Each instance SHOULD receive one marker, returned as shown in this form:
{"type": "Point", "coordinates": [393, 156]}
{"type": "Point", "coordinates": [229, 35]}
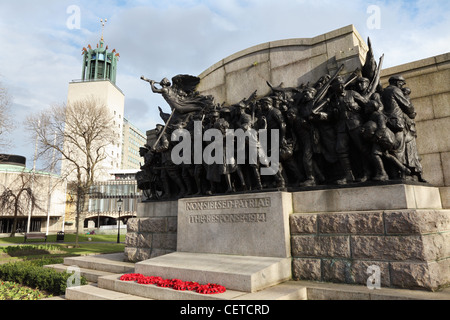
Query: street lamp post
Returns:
{"type": "Point", "coordinates": [119, 203]}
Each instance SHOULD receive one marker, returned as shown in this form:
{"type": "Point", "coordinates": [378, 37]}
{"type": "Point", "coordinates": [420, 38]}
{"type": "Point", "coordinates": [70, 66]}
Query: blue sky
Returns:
{"type": "Point", "coordinates": [40, 55]}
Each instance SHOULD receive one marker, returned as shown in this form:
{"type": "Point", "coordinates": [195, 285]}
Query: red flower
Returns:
{"type": "Point", "coordinates": [175, 284]}
{"type": "Point", "coordinates": [211, 289]}
{"type": "Point", "coordinates": [131, 277]}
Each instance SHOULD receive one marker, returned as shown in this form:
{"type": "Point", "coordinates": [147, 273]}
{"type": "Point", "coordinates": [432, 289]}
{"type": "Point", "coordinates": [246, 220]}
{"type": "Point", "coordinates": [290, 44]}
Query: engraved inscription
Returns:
{"type": "Point", "coordinates": [228, 204]}
{"type": "Point", "coordinates": [228, 218]}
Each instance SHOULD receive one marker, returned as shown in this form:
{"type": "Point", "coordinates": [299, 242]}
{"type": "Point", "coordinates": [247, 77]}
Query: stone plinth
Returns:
{"type": "Point", "coordinates": [383, 197]}
{"type": "Point", "coordinates": [409, 245]}
{"type": "Point", "coordinates": [240, 241]}
{"type": "Point", "coordinates": [240, 273]}
{"type": "Point", "coordinates": [333, 235]}
{"type": "Point", "coordinates": [157, 209]}
{"type": "Point", "coordinates": [253, 224]}
{"type": "Point", "coordinates": [153, 232]}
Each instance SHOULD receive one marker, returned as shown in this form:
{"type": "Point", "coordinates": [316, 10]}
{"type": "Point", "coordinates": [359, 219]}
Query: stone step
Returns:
{"type": "Point", "coordinates": [91, 275]}
{"type": "Point", "coordinates": [92, 292]}
{"type": "Point", "coordinates": [288, 290]}
{"type": "Point", "coordinates": [240, 273]}
{"type": "Point", "coordinates": [111, 288]}
{"type": "Point", "coordinates": [154, 292]}
{"type": "Point", "coordinates": [337, 291]}
{"type": "Point", "coordinates": [284, 291]}
{"type": "Point", "coordinates": [112, 263]}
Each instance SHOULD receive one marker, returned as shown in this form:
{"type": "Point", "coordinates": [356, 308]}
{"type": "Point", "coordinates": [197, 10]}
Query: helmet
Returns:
{"type": "Point", "coordinates": [396, 78]}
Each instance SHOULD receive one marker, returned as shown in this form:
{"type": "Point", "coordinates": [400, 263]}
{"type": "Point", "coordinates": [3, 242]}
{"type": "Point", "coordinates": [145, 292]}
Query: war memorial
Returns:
{"type": "Point", "coordinates": [296, 160]}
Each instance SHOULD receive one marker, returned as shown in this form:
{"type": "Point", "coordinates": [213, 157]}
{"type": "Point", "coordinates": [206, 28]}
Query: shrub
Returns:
{"type": "Point", "coordinates": [32, 274]}
{"type": "Point", "coordinates": [45, 261]}
{"type": "Point", "coordinates": [25, 250]}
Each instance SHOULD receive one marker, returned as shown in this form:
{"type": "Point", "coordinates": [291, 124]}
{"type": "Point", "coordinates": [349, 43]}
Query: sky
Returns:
{"type": "Point", "coordinates": [41, 42]}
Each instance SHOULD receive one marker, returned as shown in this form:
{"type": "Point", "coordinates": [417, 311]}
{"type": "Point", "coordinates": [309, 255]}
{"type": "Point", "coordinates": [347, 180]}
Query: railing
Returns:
{"type": "Point", "coordinates": [96, 80]}
{"type": "Point", "coordinates": [110, 214]}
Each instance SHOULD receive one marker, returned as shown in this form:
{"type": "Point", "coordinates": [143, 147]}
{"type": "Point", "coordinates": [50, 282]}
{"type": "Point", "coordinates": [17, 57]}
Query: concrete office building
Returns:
{"type": "Point", "coordinates": [133, 139]}
{"type": "Point", "coordinates": [98, 81]}
{"type": "Point", "coordinates": [48, 189]}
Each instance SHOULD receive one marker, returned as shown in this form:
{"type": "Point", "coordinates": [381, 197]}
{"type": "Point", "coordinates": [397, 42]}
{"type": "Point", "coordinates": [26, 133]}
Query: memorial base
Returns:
{"type": "Point", "coordinates": [239, 273]}
{"type": "Point", "coordinates": [396, 236]}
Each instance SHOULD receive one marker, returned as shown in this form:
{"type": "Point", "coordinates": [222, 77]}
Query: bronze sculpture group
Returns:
{"type": "Point", "coordinates": [337, 131]}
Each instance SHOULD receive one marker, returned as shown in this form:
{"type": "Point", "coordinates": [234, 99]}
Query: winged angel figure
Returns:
{"type": "Point", "coordinates": [181, 95]}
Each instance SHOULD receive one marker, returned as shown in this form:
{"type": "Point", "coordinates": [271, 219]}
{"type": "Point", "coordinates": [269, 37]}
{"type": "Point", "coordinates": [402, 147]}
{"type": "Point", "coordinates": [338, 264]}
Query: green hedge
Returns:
{"type": "Point", "coordinates": [32, 274]}
{"type": "Point", "coordinates": [24, 250]}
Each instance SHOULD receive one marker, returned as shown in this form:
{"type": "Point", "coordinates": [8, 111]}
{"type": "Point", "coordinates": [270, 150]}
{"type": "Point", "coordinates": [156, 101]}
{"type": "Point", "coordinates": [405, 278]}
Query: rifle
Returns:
{"type": "Point", "coordinates": [163, 131]}
{"type": "Point", "coordinates": [352, 77]}
{"type": "Point", "coordinates": [373, 85]}
{"type": "Point", "coordinates": [251, 98]}
{"type": "Point", "coordinates": [321, 94]}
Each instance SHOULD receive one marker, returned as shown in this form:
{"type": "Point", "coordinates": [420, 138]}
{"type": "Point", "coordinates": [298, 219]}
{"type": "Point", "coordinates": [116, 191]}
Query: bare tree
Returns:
{"type": "Point", "coordinates": [19, 198]}
{"type": "Point", "coordinates": [79, 133]}
{"type": "Point", "coordinates": [5, 117]}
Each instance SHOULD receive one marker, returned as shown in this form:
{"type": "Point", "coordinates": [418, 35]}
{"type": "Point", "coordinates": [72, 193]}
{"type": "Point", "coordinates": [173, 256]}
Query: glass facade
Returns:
{"type": "Point", "coordinates": [133, 139]}
{"type": "Point", "coordinates": [103, 197]}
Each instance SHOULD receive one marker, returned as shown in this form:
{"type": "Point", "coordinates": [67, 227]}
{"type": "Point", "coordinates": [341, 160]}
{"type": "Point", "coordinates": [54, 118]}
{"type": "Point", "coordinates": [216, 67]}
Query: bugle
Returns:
{"type": "Point", "coordinates": [148, 80]}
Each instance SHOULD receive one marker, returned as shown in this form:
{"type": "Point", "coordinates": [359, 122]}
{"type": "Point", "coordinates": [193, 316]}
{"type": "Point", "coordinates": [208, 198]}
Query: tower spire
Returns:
{"type": "Point", "coordinates": [99, 63]}
{"type": "Point", "coordinates": [103, 26]}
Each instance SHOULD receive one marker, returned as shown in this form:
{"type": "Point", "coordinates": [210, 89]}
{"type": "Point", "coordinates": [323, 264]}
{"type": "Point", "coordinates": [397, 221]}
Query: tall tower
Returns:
{"type": "Point", "coordinates": [99, 64]}
{"type": "Point", "coordinates": [98, 81]}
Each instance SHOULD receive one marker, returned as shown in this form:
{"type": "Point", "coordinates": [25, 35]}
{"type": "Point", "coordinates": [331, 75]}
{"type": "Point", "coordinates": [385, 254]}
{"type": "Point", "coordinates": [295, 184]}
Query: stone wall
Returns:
{"type": "Point", "coordinates": [291, 62]}
{"type": "Point", "coordinates": [297, 61]}
{"type": "Point", "coordinates": [429, 80]}
{"type": "Point", "coordinates": [411, 247]}
{"type": "Point", "coordinates": [406, 236]}
{"type": "Point", "coordinates": [153, 233]}
{"type": "Point", "coordinates": [150, 237]}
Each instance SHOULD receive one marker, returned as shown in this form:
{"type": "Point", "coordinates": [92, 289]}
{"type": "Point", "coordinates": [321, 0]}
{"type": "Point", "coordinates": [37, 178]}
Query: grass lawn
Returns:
{"type": "Point", "coordinates": [52, 252]}
{"type": "Point", "coordinates": [67, 238]}
{"type": "Point", "coordinates": [99, 244]}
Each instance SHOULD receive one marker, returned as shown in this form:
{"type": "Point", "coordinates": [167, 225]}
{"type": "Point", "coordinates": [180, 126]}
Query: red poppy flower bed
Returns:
{"type": "Point", "coordinates": [175, 284]}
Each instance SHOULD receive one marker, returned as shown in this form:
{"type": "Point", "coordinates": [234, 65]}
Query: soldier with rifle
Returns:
{"type": "Point", "coordinates": [169, 171]}
{"type": "Point", "coordinates": [349, 107]}
{"type": "Point", "coordinates": [310, 108]}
